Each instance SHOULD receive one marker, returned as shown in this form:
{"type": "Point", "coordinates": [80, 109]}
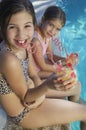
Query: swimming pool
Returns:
{"type": "Point", "coordinates": [73, 37]}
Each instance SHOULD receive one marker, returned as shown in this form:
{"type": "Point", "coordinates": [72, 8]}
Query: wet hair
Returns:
{"type": "Point", "coordinates": [54, 12]}
{"type": "Point", "coordinates": [10, 7]}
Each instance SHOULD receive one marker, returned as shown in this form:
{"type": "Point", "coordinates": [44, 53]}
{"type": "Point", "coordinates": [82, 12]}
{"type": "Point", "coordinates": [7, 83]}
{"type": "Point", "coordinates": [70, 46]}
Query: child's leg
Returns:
{"type": "Point", "coordinates": [54, 112]}
{"type": "Point", "coordinates": [76, 96]}
{"type": "Point", "coordinates": [82, 123]}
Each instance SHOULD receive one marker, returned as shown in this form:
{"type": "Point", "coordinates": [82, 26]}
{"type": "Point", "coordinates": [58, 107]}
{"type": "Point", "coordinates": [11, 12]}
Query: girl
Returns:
{"type": "Point", "coordinates": [24, 103]}
{"type": "Point", "coordinates": [52, 22]}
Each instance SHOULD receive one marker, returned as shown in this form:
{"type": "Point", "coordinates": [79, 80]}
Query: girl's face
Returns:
{"type": "Point", "coordinates": [20, 30]}
{"type": "Point", "coordinates": [51, 28]}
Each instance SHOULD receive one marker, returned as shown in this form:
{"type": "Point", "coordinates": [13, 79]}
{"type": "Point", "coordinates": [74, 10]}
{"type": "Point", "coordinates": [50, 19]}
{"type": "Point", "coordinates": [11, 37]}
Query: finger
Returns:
{"type": "Point", "coordinates": [70, 85]}
{"type": "Point", "coordinates": [59, 86]}
{"type": "Point", "coordinates": [68, 81]}
{"type": "Point", "coordinates": [57, 81]}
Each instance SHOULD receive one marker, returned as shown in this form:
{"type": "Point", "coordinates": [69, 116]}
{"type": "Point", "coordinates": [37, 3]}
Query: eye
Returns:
{"type": "Point", "coordinates": [58, 29]}
{"type": "Point", "coordinates": [11, 27]}
{"type": "Point", "coordinates": [28, 26]}
{"type": "Point", "coordinates": [50, 24]}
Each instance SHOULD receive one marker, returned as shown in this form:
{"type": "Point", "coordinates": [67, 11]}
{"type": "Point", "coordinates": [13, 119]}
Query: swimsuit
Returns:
{"type": "Point", "coordinates": [17, 119]}
{"type": "Point", "coordinates": [44, 47]}
{"type": "Point", "coordinates": [6, 89]}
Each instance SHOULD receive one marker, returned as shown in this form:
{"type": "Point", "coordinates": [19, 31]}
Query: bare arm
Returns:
{"type": "Point", "coordinates": [32, 71]}
{"type": "Point", "coordinates": [13, 73]}
{"type": "Point", "coordinates": [12, 70]}
{"type": "Point", "coordinates": [52, 57]}
{"type": "Point", "coordinates": [41, 89]}
{"type": "Point", "coordinates": [39, 58]}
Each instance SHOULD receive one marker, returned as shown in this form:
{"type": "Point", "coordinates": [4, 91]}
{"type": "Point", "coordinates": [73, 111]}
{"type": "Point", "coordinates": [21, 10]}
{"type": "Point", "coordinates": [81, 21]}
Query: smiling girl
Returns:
{"type": "Point", "coordinates": [25, 104]}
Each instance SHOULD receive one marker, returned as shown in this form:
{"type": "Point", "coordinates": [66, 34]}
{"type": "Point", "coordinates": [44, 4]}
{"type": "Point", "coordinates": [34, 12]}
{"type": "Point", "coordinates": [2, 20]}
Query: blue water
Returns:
{"type": "Point", "coordinates": [73, 37]}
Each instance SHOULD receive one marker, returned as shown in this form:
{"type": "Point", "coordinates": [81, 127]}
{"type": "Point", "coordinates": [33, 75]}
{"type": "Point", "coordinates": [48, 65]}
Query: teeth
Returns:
{"type": "Point", "coordinates": [20, 41]}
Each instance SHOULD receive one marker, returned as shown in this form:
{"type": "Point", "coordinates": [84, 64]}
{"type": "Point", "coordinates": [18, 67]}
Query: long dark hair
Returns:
{"type": "Point", "coordinates": [10, 7]}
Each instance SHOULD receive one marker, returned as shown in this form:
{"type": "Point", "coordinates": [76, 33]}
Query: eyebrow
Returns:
{"type": "Point", "coordinates": [29, 23]}
{"type": "Point", "coordinates": [24, 23]}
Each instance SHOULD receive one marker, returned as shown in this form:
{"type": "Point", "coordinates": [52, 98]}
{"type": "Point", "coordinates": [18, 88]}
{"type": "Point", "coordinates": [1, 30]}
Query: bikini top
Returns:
{"type": "Point", "coordinates": [4, 86]}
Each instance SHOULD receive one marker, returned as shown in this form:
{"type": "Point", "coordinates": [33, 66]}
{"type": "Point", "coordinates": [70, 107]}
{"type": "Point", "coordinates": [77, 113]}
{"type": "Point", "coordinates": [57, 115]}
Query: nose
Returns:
{"type": "Point", "coordinates": [20, 34]}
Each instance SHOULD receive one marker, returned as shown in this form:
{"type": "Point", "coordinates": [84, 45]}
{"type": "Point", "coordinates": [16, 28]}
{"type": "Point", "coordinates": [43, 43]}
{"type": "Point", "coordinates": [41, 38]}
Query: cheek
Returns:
{"type": "Point", "coordinates": [30, 34]}
{"type": "Point", "coordinates": [10, 34]}
{"type": "Point", "coordinates": [49, 28]}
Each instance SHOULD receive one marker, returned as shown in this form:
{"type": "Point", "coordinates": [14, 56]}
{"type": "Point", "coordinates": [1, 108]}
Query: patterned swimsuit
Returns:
{"type": "Point", "coordinates": [6, 89]}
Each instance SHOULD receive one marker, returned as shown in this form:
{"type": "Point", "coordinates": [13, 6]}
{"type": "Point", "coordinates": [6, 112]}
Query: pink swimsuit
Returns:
{"type": "Point", "coordinates": [44, 46]}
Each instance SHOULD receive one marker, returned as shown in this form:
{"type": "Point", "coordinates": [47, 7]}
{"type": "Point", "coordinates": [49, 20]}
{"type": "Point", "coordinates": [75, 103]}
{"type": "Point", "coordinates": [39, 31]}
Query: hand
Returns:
{"type": "Point", "coordinates": [70, 78]}
{"type": "Point", "coordinates": [63, 80]}
{"type": "Point", "coordinates": [36, 103]}
{"type": "Point", "coordinates": [70, 83]}
{"type": "Point", "coordinates": [53, 81]}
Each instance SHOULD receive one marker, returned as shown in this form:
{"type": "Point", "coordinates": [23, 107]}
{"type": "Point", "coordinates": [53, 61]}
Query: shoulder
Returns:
{"type": "Point", "coordinates": [6, 56]}
{"type": "Point", "coordinates": [7, 60]}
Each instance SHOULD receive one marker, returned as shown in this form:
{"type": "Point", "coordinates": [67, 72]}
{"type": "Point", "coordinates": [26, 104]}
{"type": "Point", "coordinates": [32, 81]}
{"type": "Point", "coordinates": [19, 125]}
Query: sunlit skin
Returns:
{"type": "Point", "coordinates": [47, 30]}
{"type": "Point", "coordinates": [16, 69]}
{"type": "Point", "coordinates": [20, 31]}
{"type": "Point", "coordinates": [19, 35]}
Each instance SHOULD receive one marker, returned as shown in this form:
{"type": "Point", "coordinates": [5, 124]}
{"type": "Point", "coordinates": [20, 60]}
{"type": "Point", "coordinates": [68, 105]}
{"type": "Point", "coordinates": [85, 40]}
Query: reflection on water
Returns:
{"type": "Point", "coordinates": [73, 35]}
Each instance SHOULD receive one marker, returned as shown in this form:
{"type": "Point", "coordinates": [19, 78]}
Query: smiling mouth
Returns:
{"type": "Point", "coordinates": [49, 35]}
{"type": "Point", "coordinates": [22, 43]}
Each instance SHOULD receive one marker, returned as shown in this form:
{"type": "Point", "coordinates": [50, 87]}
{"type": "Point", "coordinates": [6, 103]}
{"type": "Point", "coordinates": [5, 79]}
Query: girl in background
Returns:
{"type": "Point", "coordinates": [52, 22]}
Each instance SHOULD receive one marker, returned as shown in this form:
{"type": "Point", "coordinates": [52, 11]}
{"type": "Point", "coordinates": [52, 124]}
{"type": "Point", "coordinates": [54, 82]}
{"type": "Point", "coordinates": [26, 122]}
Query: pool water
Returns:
{"type": "Point", "coordinates": [73, 37]}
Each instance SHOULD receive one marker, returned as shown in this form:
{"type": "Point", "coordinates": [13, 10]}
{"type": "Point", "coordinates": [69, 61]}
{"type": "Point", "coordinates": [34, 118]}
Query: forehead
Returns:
{"type": "Point", "coordinates": [21, 17]}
